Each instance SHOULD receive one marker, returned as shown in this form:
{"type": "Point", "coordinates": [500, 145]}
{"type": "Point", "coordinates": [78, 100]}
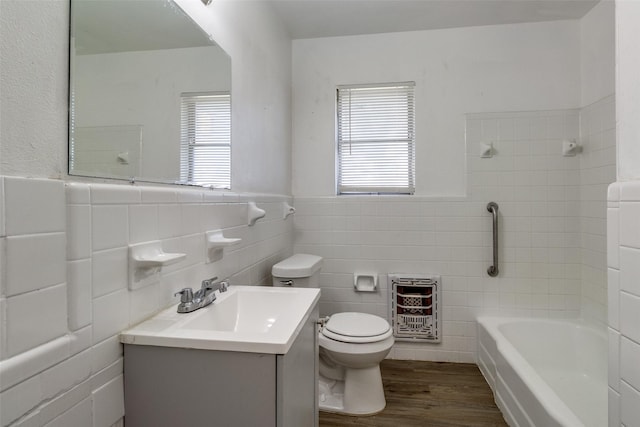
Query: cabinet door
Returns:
{"type": "Point", "coordinates": [175, 387]}
{"type": "Point", "coordinates": [298, 379]}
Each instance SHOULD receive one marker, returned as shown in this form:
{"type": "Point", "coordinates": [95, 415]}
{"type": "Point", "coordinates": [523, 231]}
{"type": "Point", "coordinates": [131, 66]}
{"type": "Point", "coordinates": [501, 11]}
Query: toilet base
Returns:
{"type": "Point", "coordinates": [330, 395]}
{"type": "Point", "coordinates": [360, 394]}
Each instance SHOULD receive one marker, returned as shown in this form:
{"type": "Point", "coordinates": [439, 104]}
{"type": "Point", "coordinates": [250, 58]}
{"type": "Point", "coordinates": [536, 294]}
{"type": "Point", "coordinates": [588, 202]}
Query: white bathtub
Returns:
{"type": "Point", "coordinates": [545, 373]}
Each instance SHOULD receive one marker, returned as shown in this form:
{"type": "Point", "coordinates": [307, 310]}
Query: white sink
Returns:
{"type": "Point", "coordinates": [255, 319]}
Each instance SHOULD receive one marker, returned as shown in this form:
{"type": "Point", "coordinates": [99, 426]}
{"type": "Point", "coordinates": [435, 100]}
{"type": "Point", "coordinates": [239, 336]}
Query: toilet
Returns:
{"type": "Point", "coordinates": [352, 345]}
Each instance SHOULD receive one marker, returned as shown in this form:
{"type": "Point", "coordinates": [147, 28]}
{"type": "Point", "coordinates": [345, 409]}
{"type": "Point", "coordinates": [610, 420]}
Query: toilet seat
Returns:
{"type": "Point", "coordinates": [356, 328]}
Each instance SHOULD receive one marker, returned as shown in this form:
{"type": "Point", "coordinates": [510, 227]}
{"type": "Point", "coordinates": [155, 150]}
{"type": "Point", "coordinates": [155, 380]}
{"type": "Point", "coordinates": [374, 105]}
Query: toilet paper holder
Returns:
{"type": "Point", "coordinates": [365, 282]}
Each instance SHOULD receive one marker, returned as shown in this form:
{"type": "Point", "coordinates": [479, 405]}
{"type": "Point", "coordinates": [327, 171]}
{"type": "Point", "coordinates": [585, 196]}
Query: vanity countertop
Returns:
{"type": "Point", "coordinates": [255, 319]}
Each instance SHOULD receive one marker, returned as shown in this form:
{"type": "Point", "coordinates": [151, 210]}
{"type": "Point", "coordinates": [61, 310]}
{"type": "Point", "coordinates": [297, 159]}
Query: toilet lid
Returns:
{"type": "Point", "coordinates": [357, 325]}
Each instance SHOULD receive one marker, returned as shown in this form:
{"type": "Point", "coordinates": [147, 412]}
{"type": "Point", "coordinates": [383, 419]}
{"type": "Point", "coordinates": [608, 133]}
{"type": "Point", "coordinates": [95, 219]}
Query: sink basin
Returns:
{"type": "Point", "coordinates": [255, 319]}
{"type": "Point", "coordinates": [245, 311]}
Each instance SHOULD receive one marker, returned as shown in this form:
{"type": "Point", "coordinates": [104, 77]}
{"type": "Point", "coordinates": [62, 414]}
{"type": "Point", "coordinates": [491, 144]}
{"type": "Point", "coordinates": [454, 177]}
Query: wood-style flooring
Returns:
{"type": "Point", "coordinates": [429, 394]}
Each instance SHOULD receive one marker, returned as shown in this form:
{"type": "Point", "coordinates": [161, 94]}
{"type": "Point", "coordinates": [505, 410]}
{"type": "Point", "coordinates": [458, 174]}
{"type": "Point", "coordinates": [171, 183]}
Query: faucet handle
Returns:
{"type": "Point", "coordinates": [186, 295]}
{"type": "Point", "coordinates": [206, 284]}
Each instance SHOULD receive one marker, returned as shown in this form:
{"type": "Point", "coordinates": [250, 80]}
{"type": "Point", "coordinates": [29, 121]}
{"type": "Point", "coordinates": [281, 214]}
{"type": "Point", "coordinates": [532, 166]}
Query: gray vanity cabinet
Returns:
{"type": "Point", "coordinates": [180, 387]}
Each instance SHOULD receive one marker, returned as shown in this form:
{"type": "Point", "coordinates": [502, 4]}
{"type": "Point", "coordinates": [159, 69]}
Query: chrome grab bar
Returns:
{"type": "Point", "coordinates": [493, 269]}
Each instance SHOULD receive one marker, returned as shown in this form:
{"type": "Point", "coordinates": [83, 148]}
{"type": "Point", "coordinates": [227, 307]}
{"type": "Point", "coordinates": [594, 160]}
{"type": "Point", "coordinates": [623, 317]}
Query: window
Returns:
{"type": "Point", "coordinates": [376, 139]}
{"type": "Point", "coordinates": [205, 139]}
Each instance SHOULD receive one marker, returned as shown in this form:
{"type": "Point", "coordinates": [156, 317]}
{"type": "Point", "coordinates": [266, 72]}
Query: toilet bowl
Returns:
{"type": "Point", "coordinates": [351, 347]}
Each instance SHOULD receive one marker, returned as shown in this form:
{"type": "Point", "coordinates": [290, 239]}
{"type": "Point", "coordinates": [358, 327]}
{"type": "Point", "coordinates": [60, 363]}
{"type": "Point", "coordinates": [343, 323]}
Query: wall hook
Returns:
{"type": "Point", "coordinates": [570, 148]}
{"type": "Point", "coordinates": [486, 149]}
{"type": "Point", "coordinates": [287, 210]}
{"type": "Point", "coordinates": [254, 213]}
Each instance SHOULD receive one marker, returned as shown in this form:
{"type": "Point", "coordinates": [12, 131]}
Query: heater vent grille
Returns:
{"type": "Point", "coordinates": [415, 301]}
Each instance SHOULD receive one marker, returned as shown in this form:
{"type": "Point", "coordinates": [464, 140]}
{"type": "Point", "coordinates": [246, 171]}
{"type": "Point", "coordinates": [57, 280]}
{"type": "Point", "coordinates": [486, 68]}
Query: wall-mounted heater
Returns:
{"type": "Point", "coordinates": [415, 307]}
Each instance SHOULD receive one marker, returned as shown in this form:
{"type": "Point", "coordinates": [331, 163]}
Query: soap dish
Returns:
{"type": "Point", "coordinates": [215, 244]}
{"type": "Point", "coordinates": [145, 262]}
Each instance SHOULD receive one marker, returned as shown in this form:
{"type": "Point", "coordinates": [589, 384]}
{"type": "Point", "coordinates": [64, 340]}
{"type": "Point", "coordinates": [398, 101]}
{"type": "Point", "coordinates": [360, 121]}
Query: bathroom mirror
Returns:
{"type": "Point", "coordinates": [150, 95]}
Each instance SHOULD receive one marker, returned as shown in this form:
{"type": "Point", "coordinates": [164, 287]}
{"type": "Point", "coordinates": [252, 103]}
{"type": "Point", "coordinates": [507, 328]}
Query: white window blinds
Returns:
{"type": "Point", "coordinates": [205, 139]}
{"type": "Point", "coordinates": [376, 139]}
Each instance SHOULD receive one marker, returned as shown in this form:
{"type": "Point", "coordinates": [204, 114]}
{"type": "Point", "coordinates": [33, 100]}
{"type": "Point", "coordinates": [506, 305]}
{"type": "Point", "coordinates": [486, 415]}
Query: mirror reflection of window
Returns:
{"type": "Point", "coordinates": [131, 62]}
{"type": "Point", "coordinates": [205, 139]}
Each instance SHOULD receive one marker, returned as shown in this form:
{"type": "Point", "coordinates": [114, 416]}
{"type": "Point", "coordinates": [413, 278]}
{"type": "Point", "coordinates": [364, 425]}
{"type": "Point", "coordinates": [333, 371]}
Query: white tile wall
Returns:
{"type": "Point", "coordinates": [629, 362]}
{"type": "Point", "coordinates": [614, 359]}
{"type": "Point", "coordinates": [3, 317]}
{"type": "Point", "coordinates": [624, 303]}
{"type": "Point", "coordinates": [613, 298]}
{"type": "Point", "coordinates": [597, 171]}
{"type": "Point", "coordinates": [110, 314]}
{"type": "Point", "coordinates": [78, 415]}
{"type": "Point", "coordinates": [76, 361]}
{"type": "Point", "coordinates": [614, 408]}
{"type": "Point", "coordinates": [17, 369]}
{"type": "Point", "coordinates": [25, 252]}
{"type": "Point", "coordinates": [629, 260]}
{"type": "Point", "coordinates": [115, 194]}
{"type": "Point", "coordinates": [108, 406]}
{"type": "Point", "coordinates": [106, 353]}
{"type": "Point", "coordinates": [41, 212]}
{"type": "Point", "coordinates": [78, 294]}
{"type": "Point", "coordinates": [109, 226]}
{"type": "Point", "coordinates": [629, 315]}
{"type": "Point", "coordinates": [27, 313]}
{"type": "Point", "coordinates": [109, 271]}
{"type": "Point", "coordinates": [78, 231]}
{"type": "Point", "coordinates": [143, 223]}
{"type": "Point", "coordinates": [629, 408]}
{"type": "Point", "coordinates": [552, 230]}
{"type": "Point", "coordinates": [2, 228]}
{"type": "Point", "coordinates": [18, 400]}
{"type": "Point", "coordinates": [69, 372]}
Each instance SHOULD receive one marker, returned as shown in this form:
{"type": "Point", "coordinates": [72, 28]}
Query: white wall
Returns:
{"type": "Point", "coordinates": [457, 71]}
{"type": "Point", "coordinates": [553, 207]}
{"type": "Point", "coordinates": [598, 157]}
{"type": "Point", "coordinates": [597, 171]}
{"type": "Point", "coordinates": [33, 89]}
{"type": "Point", "coordinates": [34, 85]}
{"type": "Point", "coordinates": [538, 195]}
{"type": "Point", "coordinates": [34, 38]}
{"type": "Point", "coordinates": [144, 88]}
{"type": "Point", "coordinates": [60, 357]}
{"type": "Point", "coordinates": [623, 245]}
{"type": "Point", "coordinates": [628, 89]}
{"type": "Point", "coordinates": [60, 361]}
{"type": "Point", "coordinates": [261, 90]}
{"type": "Point", "coordinates": [597, 53]}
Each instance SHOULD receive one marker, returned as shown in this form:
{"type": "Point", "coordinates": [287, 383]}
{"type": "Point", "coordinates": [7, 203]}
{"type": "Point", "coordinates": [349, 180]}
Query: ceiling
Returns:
{"type": "Point", "coordinates": [327, 18]}
{"type": "Point", "coordinates": [108, 26]}
{"type": "Point", "coordinates": [102, 26]}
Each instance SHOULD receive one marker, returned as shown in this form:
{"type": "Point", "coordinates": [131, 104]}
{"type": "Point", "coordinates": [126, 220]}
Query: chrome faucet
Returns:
{"type": "Point", "coordinates": [211, 285]}
{"type": "Point", "coordinates": [191, 301]}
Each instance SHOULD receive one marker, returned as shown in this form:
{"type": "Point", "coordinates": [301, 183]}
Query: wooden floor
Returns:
{"type": "Point", "coordinates": [429, 394]}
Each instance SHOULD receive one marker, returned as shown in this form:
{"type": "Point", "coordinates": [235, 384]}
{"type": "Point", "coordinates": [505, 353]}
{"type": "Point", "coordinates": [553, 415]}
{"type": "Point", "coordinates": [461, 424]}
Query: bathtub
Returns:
{"type": "Point", "coordinates": [545, 373]}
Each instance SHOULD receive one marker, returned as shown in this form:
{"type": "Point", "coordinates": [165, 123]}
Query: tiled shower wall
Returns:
{"type": "Point", "coordinates": [623, 250]}
{"type": "Point", "coordinates": [541, 231]}
{"type": "Point", "coordinates": [64, 285]}
{"type": "Point", "coordinates": [597, 171]}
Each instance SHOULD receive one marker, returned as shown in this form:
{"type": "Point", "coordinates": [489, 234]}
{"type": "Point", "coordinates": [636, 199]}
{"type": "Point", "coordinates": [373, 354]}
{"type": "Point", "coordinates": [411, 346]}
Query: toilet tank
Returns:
{"type": "Point", "coordinates": [299, 270]}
